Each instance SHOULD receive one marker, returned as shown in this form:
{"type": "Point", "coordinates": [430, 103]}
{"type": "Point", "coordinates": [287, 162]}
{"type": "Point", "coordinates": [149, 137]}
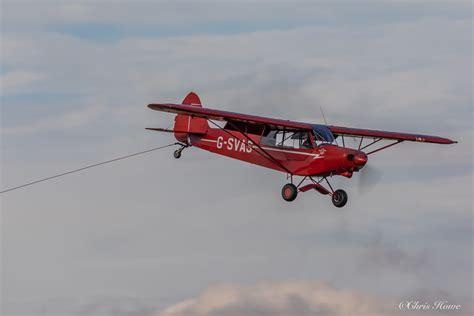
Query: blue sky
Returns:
{"type": "Point", "coordinates": [144, 234]}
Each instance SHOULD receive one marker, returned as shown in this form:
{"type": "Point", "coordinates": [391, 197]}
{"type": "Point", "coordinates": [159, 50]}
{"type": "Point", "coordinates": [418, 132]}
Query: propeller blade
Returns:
{"type": "Point", "coordinates": [368, 179]}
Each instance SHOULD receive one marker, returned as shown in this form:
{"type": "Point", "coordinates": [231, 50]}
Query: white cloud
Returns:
{"type": "Point", "coordinates": [72, 119]}
{"type": "Point", "coordinates": [296, 298]}
{"type": "Point", "coordinates": [19, 81]}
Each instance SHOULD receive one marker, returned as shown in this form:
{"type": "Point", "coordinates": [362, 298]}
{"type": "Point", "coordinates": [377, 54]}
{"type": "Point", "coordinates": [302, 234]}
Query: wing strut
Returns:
{"type": "Point", "coordinates": [264, 153]}
{"type": "Point", "coordinates": [361, 140]}
{"type": "Point", "coordinates": [375, 141]}
{"type": "Point", "coordinates": [389, 145]}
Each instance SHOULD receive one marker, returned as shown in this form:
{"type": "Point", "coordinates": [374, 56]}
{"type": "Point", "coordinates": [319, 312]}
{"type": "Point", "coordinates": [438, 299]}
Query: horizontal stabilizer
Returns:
{"type": "Point", "coordinates": [173, 131]}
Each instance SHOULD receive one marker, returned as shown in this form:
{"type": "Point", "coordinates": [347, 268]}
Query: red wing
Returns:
{"type": "Point", "coordinates": [280, 124]}
{"type": "Point", "coordinates": [229, 116]}
{"type": "Point", "coordinates": [339, 130]}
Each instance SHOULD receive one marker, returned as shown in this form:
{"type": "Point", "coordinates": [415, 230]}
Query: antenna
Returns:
{"type": "Point", "coordinates": [326, 122]}
{"type": "Point", "coordinates": [324, 117]}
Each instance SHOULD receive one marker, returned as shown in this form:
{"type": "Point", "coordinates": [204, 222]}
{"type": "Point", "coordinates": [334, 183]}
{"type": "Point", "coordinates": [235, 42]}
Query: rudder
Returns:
{"type": "Point", "coordinates": [187, 123]}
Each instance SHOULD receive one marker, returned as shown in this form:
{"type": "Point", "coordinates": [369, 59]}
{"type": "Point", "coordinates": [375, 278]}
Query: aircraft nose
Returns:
{"type": "Point", "coordinates": [360, 159]}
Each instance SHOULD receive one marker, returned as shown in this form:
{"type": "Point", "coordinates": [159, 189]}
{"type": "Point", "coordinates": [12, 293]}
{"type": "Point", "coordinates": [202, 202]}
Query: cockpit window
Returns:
{"type": "Point", "coordinates": [322, 134]}
{"type": "Point", "coordinates": [298, 139]}
{"type": "Point", "coordinates": [288, 139]}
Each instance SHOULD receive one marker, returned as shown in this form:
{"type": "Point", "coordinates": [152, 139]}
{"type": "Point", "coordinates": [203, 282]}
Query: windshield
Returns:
{"type": "Point", "coordinates": [322, 133]}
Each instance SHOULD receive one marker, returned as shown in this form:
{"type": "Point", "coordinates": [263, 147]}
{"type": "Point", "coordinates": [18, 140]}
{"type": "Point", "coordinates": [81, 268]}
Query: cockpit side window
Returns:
{"type": "Point", "coordinates": [287, 139]}
{"type": "Point", "coordinates": [303, 140]}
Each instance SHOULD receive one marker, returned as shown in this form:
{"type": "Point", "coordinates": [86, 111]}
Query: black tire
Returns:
{"type": "Point", "coordinates": [339, 198]}
{"type": "Point", "coordinates": [177, 154]}
{"type": "Point", "coordinates": [289, 192]}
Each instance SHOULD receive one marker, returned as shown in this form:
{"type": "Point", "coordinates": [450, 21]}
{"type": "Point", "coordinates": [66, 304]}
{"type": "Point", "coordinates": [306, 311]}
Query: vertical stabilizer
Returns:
{"type": "Point", "coordinates": [188, 123]}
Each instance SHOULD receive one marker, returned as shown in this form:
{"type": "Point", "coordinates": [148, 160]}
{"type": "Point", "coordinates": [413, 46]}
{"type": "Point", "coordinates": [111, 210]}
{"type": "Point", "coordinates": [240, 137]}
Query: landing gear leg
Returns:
{"type": "Point", "coordinates": [290, 191]}
{"type": "Point", "coordinates": [338, 197]}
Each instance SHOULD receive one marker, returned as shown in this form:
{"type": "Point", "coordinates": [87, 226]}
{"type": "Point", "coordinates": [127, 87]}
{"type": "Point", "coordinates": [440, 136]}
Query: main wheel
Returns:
{"type": "Point", "coordinates": [177, 153]}
{"type": "Point", "coordinates": [339, 198]}
{"type": "Point", "coordinates": [289, 192]}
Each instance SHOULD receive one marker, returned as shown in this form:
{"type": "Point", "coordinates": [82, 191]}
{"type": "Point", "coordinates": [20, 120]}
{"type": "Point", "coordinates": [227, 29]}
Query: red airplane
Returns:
{"type": "Point", "coordinates": [298, 149]}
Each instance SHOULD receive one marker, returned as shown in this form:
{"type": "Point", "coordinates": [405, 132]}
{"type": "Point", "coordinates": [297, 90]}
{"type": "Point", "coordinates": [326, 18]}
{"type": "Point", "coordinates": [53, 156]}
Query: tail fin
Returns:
{"type": "Point", "coordinates": [188, 123]}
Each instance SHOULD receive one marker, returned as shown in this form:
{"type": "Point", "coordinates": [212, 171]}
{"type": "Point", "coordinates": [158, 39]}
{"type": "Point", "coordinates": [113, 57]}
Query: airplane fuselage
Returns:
{"type": "Point", "coordinates": [322, 160]}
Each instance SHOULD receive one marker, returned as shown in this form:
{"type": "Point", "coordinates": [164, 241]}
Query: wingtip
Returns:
{"type": "Point", "coordinates": [449, 141]}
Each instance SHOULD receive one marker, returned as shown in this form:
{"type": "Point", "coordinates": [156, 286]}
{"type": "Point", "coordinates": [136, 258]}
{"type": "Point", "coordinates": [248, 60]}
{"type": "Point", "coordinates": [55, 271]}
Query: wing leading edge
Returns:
{"type": "Point", "coordinates": [357, 132]}
{"type": "Point", "coordinates": [220, 115]}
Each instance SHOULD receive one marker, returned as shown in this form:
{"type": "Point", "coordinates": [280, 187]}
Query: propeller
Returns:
{"type": "Point", "coordinates": [368, 179]}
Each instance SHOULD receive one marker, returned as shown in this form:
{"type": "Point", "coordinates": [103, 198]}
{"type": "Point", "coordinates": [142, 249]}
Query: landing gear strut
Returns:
{"type": "Point", "coordinates": [290, 191]}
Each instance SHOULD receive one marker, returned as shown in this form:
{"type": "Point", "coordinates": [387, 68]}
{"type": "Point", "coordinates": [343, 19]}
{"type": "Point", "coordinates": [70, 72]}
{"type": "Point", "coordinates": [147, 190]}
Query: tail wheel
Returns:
{"type": "Point", "coordinates": [289, 192]}
{"type": "Point", "coordinates": [177, 153]}
{"type": "Point", "coordinates": [339, 198]}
